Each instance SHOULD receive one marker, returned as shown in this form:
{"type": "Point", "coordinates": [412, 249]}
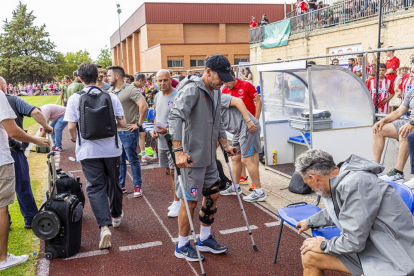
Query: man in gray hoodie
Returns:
{"type": "Point", "coordinates": [195, 126]}
{"type": "Point", "coordinates": [377, 228]}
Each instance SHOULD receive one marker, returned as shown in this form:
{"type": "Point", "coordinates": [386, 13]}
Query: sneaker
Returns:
{"type": "Point", "coordinates": [251, 188]}
{"type": "Point", "coordinates": [254, 197]}
{"type": "Point", "coordinates": [137, 192]}
{"type": "Point", "coordinates": [231, 191]}
{"type": "Point", "coordinates": [211, 245]}
{"type": "Point", "coordinates": [117, 222]}
{"type": "Point", "coordinates": [410, 183]}
{"type": "Point", "coordinates": [175, 209]}
{"type": "Point", "coordinates": [105, 241]}
{"type": "Point", "coordinates": [124, 190]}
{"type": "Point", "coordinates": [187, 252]}
{"type": "Point", "coordinates": [243, 180]}
{"type": "Point", "coordinates": [13, 260]}
{"type": "Point", "coordinates": [58, 149]}
{"type": "Point", "coordinates": [147, 159]}
{"type": "Point", "coordinates": [393, 176]}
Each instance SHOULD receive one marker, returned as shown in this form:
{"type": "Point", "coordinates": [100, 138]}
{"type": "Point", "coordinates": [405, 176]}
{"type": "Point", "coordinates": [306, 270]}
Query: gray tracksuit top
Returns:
{"type": "Point", "coordinates": [376, 223]}
{"type": "Point", "coordinates": [195, 120]}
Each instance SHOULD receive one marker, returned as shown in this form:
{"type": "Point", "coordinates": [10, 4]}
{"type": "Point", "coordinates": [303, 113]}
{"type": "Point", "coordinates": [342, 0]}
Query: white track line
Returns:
{"type": "Point", "coordinates": [140, 246]}
{"type": "Point", "coordinates": [88, 254]}
{"type": "Point", "coordinates": [75, 171]}
{"type": "Point", "coordinates": [271, 224]}
{"type": "Point", "coordinates": [238, 229]}
{"type": "Point", "coordinates": [43, 267]}
{"type": "Point", "coordinates": [163, 225]}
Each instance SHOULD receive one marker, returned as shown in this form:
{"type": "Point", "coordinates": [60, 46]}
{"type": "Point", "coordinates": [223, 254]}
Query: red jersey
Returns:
{"type": "Point", "coordinates": [301, 8]}
{"type": "Point", "coordinates": [244, 90]}
{"type": "Point", "coordinates": [368, 69]}
{"type": "Point", "coordinates": [386, 89]}
{"type": "Point", "coordinates": [394, 64]}
{"type": "Point", "coordinates": [253, 23]}
{"type": "Point", "coordinates": [174, 83]}
{"type": "Point", "coordinates": [406, 85]}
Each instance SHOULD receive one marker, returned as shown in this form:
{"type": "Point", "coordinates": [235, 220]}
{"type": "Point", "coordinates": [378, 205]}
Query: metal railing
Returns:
{"type": "Point", "coordinates": [340, 13]}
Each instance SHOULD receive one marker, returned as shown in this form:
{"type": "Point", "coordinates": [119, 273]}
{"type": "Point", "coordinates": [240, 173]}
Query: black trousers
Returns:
{"type": "Point", "coordinates": [102, 175]}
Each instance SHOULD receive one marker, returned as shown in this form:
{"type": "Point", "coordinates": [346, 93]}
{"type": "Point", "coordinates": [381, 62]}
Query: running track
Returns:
{"type": "Point", "coordinates": [144, 243]}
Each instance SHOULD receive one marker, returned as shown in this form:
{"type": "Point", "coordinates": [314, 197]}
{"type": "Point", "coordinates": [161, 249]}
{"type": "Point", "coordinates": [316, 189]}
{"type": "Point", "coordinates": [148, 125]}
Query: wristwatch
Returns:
{"type": "Point", "coordinates": [178, 149]}
{"type": "Point", "coordinates": [74, 141]}
{"type": "Point", "coordinates": [323, 245]}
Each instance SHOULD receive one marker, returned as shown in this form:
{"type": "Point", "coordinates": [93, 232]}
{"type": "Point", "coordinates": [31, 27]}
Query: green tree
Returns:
{"type": "Point", "coordinates": [71, 61]}
{"type": "Point", "coordinates": [26, 52]}
{"type": "Point", "coordinates": [105, 58]}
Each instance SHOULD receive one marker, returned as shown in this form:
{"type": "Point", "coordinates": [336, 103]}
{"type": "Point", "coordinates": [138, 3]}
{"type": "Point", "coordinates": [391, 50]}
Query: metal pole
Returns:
{"type": "Point", "coordinates": [284, 8]}
{"type": "Point", "coordinates": [378, 57]}
{"type": "Point", "coordinates": [119, 31]}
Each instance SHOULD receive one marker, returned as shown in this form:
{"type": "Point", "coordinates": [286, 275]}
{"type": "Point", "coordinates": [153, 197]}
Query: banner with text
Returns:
{"type": "Point", "coordinates": [276, 34]}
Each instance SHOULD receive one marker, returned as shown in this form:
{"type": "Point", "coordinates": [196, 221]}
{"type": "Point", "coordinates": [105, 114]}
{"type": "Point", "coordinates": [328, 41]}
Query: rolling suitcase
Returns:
{"type": "Point", "coordinates": [59, 221]}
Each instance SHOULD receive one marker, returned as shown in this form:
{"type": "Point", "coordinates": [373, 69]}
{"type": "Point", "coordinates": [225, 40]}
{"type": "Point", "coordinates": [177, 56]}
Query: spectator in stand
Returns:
{"type": "Point", "coordinates": [335, 62]}
{"type": "Point", "coordinates": [312, 5]}
{"type": "Point", "coordinates": [358, 72]}
{"type": "Point", "coordinates": [245, 91]}
{"type": "Point", "coordinates": [247, 75]}
{"type": "Point", "coordinates": [401, 72]}
{"type": "Point", "coordinates": [358, 65]}
{"type": "Point", "coordinates": [407, 83]}
{"type": "Point", "coordinates": [264, 20]}
{"type": "Point", "coordinates": [301, 7]}
{"type": "Point", "coordinates": [351, 63]}
{"type": "Point", "coordinates": [253, 23]}
{"type": "Point", "coordinates": [386, 89]}
{"type": "Point", "coordinates": [393, 63]}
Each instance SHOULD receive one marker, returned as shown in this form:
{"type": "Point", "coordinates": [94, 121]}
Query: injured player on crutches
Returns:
{"type": "Point", "coordinates": [246, 130]}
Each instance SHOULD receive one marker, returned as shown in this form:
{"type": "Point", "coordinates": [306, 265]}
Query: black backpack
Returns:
{"type": "Point", "coordinates": [297, 185]}
{"type": "Point", "coordinates": [96, 116]}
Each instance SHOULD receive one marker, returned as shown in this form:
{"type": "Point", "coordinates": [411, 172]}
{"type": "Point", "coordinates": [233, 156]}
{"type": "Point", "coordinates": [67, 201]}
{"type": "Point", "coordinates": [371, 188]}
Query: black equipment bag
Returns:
{"type": "Point", "coordinates": [223, 178]}
{"type": "Point", "coordinates": [66, 183]}
{"type": "Point", "coordinates": [96, 116]}
{"type": "Point", "coordinates": [262, 156]}
{"type": "Point", "coordinates": [298, 186]}
{"type": "Point", "coordinates": [59, 224]}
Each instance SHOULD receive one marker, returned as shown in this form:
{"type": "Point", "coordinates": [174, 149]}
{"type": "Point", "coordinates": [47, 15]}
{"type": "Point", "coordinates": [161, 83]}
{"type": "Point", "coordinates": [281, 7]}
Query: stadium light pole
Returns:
{"type": "Point", "coordinates": [119, 31]}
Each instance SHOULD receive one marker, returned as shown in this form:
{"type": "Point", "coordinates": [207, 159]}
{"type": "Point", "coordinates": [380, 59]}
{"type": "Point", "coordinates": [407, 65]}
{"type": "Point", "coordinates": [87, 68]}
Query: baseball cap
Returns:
{"type": "Point", "coordinates": [221, 65]}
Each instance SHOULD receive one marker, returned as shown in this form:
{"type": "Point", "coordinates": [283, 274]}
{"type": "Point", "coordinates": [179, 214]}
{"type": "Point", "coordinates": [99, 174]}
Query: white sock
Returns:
{"type": "Point", "coordinates": [144, 153]}
{"type": "Point", "coordinates": [259, 191]}
{"type": "Point", "coordinates": [204, 232]}
{"type": "Point", "coordinates": [237, 186]}
{"type": "Point", "coordinates": [182, 241]}
{"type": "Point", "coordinates": [178, 202]}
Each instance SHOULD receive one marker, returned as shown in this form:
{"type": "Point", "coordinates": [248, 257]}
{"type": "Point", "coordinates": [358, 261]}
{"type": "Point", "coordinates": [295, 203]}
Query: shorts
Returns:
{"type": "Point", "coordinates": [351, 262]}
{"type": "Point", "coordinates": [248, 143]}
{"type": "Point", "coordinates": [195, 180]}
{"type": "Point", "coordinates": [165, 159]}
{"type": "Point", "coordinates": [399, 123]}
{"type": "Point", "coordinates": [7, 185]}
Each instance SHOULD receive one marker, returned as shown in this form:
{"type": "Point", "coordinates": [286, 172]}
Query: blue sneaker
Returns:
{"type": "Point", "coordinates": [211, 245]}
{"type": "Point", "coordinates": [187, 252]}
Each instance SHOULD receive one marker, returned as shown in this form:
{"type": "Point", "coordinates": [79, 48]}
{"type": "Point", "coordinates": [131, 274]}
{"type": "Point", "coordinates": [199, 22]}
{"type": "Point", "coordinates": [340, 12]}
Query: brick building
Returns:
{"type": "Point", "coordinates": [179, 36]}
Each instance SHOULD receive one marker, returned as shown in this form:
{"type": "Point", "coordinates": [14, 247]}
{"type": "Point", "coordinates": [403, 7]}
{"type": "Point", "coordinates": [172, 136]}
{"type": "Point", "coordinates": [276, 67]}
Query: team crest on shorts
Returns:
{"type": "Point", "coordinates": [194, 191]}
{"type": "Point", "coordinates": [170, 104]}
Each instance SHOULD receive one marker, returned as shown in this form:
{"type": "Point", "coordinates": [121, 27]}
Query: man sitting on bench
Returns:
{"type": "Point", "coordinates": [396, 126]}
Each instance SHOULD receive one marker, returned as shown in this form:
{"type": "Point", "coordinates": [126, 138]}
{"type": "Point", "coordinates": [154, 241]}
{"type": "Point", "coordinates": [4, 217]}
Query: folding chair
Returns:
{"type": "Point", "coordinates": [292, 214]}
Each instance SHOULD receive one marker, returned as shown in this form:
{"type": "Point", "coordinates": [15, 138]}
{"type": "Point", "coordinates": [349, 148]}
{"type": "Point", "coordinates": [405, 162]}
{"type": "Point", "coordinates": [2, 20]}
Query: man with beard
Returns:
{"type": "Point", "coordinates": [100, 81]}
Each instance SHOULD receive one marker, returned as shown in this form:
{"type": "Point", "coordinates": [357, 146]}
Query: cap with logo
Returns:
{"type": "Point", "coordinates": [221, 65]}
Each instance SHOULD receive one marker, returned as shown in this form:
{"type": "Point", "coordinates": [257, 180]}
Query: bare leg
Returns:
{"type": "Point", "coordinates": [173, 185]}
{"type": "Point", "coordinates": [403, 153]}
{"type": "Point", "coordinates": [253, 169]}
{"type": "Point", "coordinates": [142, 141]}
{"type": "Point", "coordinates": [4, 232]}
{"type": "Point", "coordinates": [237, 167]}
{"type": "Point", "coordinates": [183, 223]}
{"type": "Point", "coordinates": [243, 171]}
{"type": "Point", "coordinates": [378, 141]}
{"type": "Point", "coordinates": [314, 264]}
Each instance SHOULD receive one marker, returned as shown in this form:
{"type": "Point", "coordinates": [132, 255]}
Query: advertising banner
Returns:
{"type": "Point", "coordinates": [276, 34]}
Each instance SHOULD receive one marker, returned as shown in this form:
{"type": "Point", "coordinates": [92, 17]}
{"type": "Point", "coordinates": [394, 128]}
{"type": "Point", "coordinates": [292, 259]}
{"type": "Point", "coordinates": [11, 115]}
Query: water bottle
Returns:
{"type": "Point", "coordinates": [274, 157]}
{"type": "Point", "coordinates": [72, 159]}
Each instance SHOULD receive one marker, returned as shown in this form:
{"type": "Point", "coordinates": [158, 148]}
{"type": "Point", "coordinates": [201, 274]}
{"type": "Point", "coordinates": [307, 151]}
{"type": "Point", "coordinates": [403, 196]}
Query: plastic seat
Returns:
{"type": "Point", "coordinates": [299, 139]}
{"type": "Point", "coordinates": [405, 193]}
{"type": "Point", "coordinates": [327, 232]}
{"type": "Point", "coordinates": [292, 214]}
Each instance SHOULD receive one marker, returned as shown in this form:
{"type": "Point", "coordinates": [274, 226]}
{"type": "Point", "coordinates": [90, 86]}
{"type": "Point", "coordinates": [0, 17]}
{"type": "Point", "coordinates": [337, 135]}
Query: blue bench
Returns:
{"type": "Point", "coordinates": [299, 139]}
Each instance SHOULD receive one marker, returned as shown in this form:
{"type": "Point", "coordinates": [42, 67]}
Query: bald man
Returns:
{"type": "Point", "coordinates": [163, 102]}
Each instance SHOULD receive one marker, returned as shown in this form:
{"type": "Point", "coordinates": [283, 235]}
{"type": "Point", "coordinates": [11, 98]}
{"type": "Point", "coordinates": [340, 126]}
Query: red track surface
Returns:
{"type": "Point", "coordinates": [145, 220]}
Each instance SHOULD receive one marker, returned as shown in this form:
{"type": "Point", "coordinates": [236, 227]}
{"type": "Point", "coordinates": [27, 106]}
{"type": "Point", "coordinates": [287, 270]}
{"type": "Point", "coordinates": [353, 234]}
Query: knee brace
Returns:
{"type": "Point", "coordinates": [209, 203]}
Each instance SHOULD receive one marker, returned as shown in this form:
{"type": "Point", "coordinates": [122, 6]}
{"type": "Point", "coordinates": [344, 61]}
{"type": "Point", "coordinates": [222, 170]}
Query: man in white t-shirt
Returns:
{"type": "Point", "coordinates": [100, 159]}
{"type": "Point", "coordinates": [8, 128]}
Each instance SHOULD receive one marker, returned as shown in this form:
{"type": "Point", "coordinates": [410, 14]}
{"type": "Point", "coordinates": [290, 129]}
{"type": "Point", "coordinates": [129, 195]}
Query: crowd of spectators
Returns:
{"type": "Point", "coordinates": [35, 89]}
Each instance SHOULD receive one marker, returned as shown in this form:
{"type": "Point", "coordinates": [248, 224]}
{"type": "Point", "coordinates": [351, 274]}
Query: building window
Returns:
{"type": "Point", "coordinates": [197, 63]}
{"type": "Point", "coordinates": [238, 60]}
{"type": "Point", "coordinates": [175, 63]}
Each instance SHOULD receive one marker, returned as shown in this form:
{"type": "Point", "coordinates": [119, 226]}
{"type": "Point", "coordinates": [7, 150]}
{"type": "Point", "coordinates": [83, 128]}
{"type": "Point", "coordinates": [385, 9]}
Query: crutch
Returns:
{"type": "Point", "coordinates": [190, 219]}
{"type": "Point", "coordinates": [238, 196]}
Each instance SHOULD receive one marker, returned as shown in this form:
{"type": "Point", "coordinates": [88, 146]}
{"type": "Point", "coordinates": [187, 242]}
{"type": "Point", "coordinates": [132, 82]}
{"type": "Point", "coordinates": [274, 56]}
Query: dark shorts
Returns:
{"type": "Point", "coordinates": [351, 262]}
